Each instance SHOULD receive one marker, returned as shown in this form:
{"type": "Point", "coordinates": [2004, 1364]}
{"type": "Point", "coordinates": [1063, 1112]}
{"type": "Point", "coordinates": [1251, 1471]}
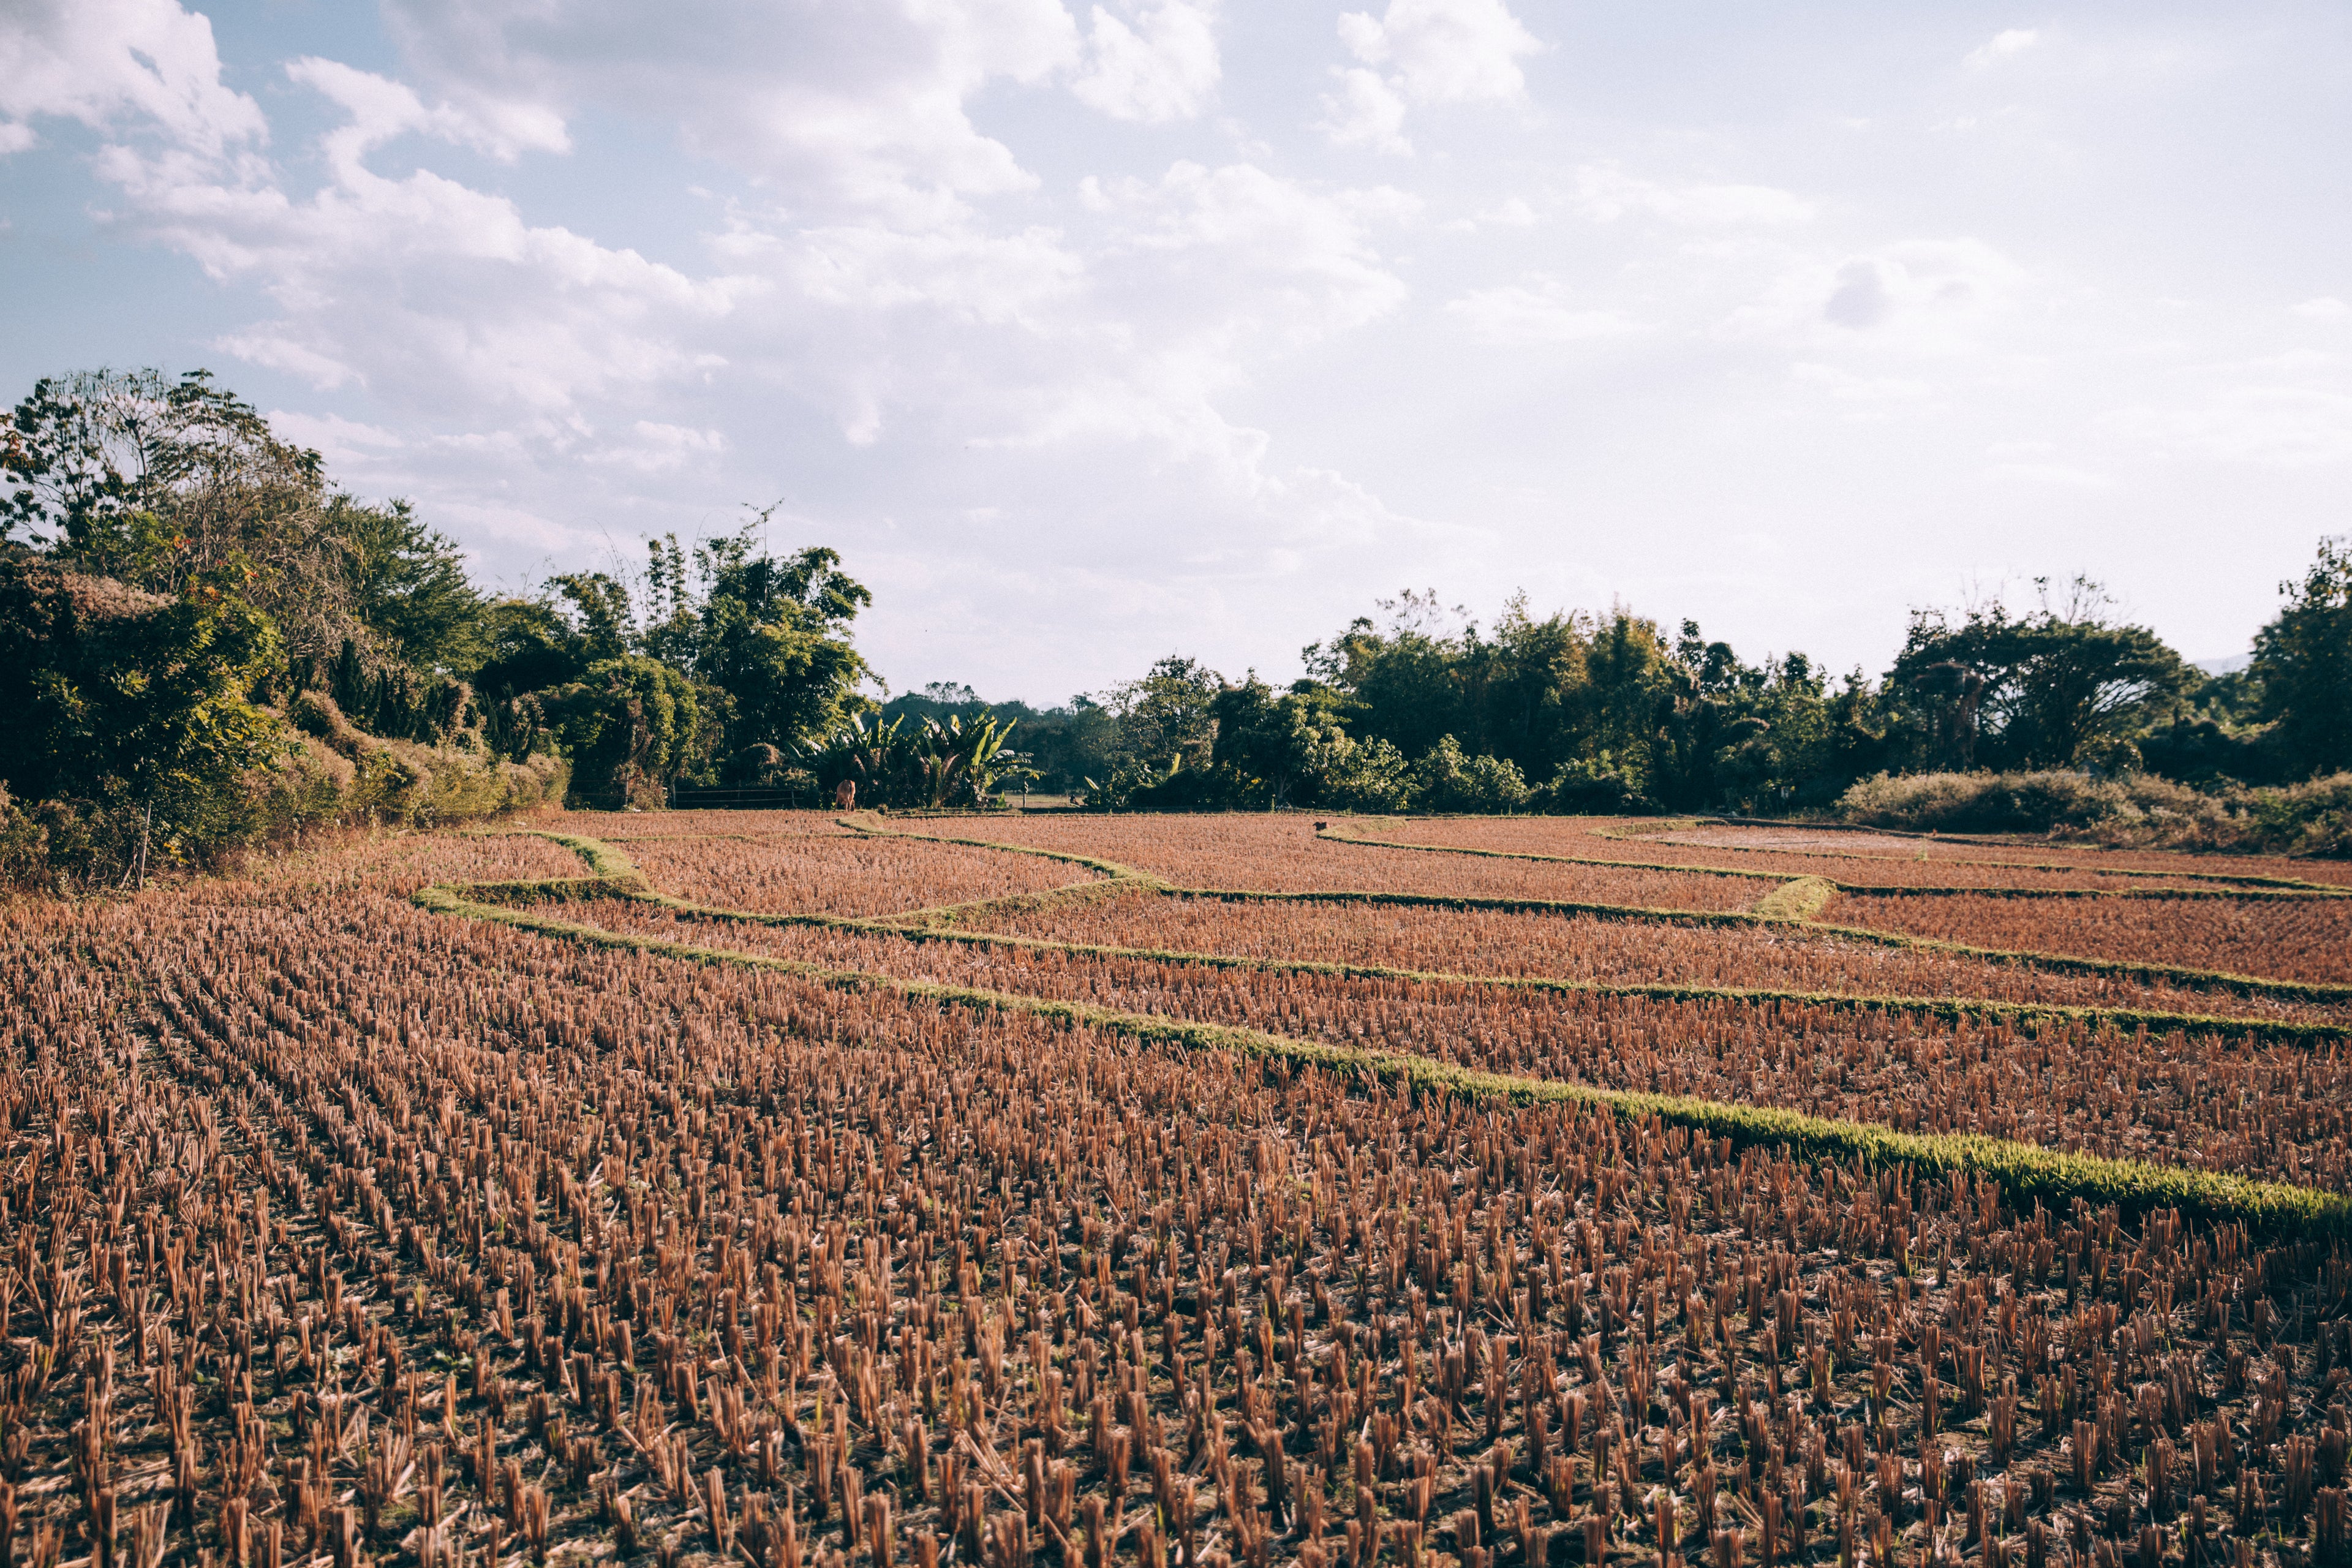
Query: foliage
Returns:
{"type": "Point", "coordinates": [2302, 663]}
{"type": "Point", "coordinates": [409, 587]}
{"type": "Point", "coordinates": [124, 704]}
{"type": "Point", "coordinates": [2313, 817]}
{"type": "Point", "coordinates": [772, 634]}
{"type": "Point", "coordinates": [166, 484]}
{"type": "Point", "coordinates": [528, 645]}
{"type": "Point", "coordinates": [1597, 787]}
{"type": "Point", "coordinates": [1166, 716]}
{"type": "Point", "coordinates": [1277, 751]}
{"type": "Point", "coordinates": [1446, 780]}
{"type": "Point", "coordinates": [630, 725]}
{"type": "Point", "coordinates": [2056, 687]}
{"type": "Point", "coordinates": [921, 762]}
{"type": "Point", "coordinates": [396, 783]}
{"type": "Point", "coordinates": [1606, 708]}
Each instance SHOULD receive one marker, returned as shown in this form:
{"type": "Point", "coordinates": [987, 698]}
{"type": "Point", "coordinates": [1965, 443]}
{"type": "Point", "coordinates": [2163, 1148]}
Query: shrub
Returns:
{"type": "Point", "coordinates": [631, 725]}
{"type": "Point", "coordinates": [343, 774]}
{"type": "Point", "coordinates": [1596, 786]}
{"type": "Point", "coordinates": [1446, 780]}
{"type": "Point", "coordinates": [2310, 819]}
{"type": "Point", "coordinates": [1372, 776]}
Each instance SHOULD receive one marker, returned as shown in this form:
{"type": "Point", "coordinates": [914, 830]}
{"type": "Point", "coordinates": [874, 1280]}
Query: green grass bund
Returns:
{"type": "Point", "coordinates": [2320, 992]}
{"type": "Point", "coordinates": [2024, 1170]}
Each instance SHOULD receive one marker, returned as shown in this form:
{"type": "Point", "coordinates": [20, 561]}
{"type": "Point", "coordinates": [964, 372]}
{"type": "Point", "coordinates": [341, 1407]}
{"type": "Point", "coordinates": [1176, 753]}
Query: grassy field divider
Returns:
{"type": "Point", "coordinates": [2314, 990]}
{"type": "Point", "coordinates": [2025, 1171]}
{"type": "Point", "coordinates": [875, 827]}
{"type": "Point", "coordinates": [1860, 889]}
{"type": "Point", "coordinates": [2030, 1015]}
{"type": "Point", "coordinates": [2193, 979]}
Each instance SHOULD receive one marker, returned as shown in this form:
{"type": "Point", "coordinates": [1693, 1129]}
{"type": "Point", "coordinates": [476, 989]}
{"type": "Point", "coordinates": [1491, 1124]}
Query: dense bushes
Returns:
{"type": "Point", "coordinates": [342, 775]}
{"type": "Point", "coordinates": [318, 773]}
{"type": "Point", "coordinates": [134, 737]}
{"type": "Point", "coordinates": [2310, 819]}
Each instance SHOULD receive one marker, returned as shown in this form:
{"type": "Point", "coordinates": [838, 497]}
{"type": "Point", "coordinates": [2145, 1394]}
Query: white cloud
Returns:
{"type": "Point", "coordinates": [1606, 192]}
{"type": "Point", "coordinates": [341, 441]}
{"type": "Point", "coordinates": [964, 271]}
{"type": "Point", "coordinates": [102, 62]}
{"type": "Point", "coordinates": [1164, 68]}
{"type": "Point", "coordinates": [1305, 255]}
{"type": "Point", "coordinates": [420, 286]}
{"type": "Point", "coordinates": [2055, 475]}
{"type": "Point", "coordinates": [855, 106]}
{"type": "Point", "coordinates": [1935, 297]}
{"type": "Point", "coordinates": [1444, 51]}
{"type": "Point", "coordinates": [1512, 212]}
{"type": "Point", "coordinates": [1036, 374]}
{"type": "Point", "coordinates": [1856, 394]}
{"type": "Point", "coordinates": [653, 448]}
{"type": "Point", "coordinates": [380, 110]}
{"type": "Point", "coordinates": [283, 352]}
{"type": "Point", "coordinates": [2262, 426]}
{"type": "Point", "coordinates": [1516, 314]}
{"type": "Point", "coordinates": [2003, 45]}
{"type": "Point", "coordinates": [1422, 52]}
{"type": "Point", "coordinates": [1365, 113]}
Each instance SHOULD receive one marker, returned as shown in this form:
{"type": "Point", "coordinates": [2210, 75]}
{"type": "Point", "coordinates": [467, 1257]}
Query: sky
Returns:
{"type": "Point", "coordinates": [1092, 333]}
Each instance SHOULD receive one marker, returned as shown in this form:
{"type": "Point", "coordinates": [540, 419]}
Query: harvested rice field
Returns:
{"type": "Point", "coordinates": [816, 1190]}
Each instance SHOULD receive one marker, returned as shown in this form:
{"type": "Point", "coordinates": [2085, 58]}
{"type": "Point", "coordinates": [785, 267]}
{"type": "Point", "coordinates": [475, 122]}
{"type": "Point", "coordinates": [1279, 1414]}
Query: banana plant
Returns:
{"type": "Point", "coordinates": [963, 762]}
{"type": "Point", "coordinates": [927, 762]}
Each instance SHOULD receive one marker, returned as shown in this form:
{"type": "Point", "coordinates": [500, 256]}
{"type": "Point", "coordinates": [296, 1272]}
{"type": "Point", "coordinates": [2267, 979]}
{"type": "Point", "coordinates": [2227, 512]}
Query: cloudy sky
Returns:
{"type": "Point", "coordinates": [1093, 332]}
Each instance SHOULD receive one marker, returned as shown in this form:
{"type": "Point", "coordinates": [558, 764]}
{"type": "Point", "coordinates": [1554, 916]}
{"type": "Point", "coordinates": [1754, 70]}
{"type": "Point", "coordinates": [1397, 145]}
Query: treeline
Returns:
{"type": "Point", "coordinates": [206, 645]}
{"type": "Point", "coordinates": [2052, 716]}
{"type": "Point", "coordinates": [2048, 709]}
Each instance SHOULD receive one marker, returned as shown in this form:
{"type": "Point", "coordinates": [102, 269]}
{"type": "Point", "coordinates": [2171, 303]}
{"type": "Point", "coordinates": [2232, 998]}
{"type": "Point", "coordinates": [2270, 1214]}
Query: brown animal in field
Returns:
{"type": "Point", "coordinates": [845, 795]}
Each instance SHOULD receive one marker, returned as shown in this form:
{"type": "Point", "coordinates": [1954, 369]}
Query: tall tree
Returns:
{"type": "Point", "coordinates": [409, 586]}
{"type": "Point", "coordinates": [2059, 687]}
{"type": "Point", "coordinates": [126, 702]}
{"type": "Point", "coordinates": [2303, 661]}
{"type": "Point", "coordinates": [774, 633]}
{"type": "Point", "coordinates": [1167, 716]}
{"type": "Point", "coordinates": [163, 484]}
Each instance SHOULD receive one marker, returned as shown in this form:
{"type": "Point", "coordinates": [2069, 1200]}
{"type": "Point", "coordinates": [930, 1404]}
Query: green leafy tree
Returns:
{"type": "Point", "coordinates": [166, 484]}
{"type": "Point", "coordinates": [1278, 749]}
{"type": "Point", "coordinates": [1536, 671]}
{"type": "Point", "coordinates": [2303, 662]}
{"type": "Point", "coordinates": [1448, 779]}
{"type": "Point", "coordinates": [409, 586]}
{"type": "Point", "coordinates": [603, 621]}
{"type": "Point", "coordinates": [916, 761]}
{"type": "Point", "coordinates": [2061, 687]}
{"type": "Point", "coordinates": [1411, 678]}
{"type": "Point", "coordinates": [773, 635]}
{"type": "Point", "coordinates": [526, 645]}
{"type": "Point", "coordinates": [1167, 716]}
{"type": "Point", "coordinates": [124, 704]}
{"type": "Point", "coordinates": [1373, 776]}
{"type": "Point", "coordinates": [630, 726]}
{"type": "Point", "coordinates": [1615, 714]}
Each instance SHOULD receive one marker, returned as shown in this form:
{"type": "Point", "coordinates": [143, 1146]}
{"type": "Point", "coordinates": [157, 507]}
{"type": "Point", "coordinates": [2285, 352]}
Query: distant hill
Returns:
{"type": "Point", "coordinates": [2230, 665]}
